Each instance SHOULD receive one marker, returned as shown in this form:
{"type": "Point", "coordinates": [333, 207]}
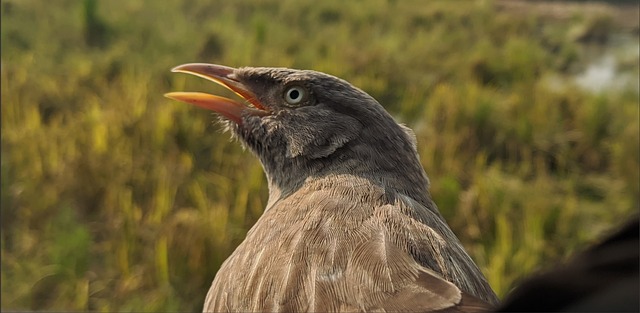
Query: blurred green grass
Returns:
{"type": "Point", "coordinates": [116, 199]}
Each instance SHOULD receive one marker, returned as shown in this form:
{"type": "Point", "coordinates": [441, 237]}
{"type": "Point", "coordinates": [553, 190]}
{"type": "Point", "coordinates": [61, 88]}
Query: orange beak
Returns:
{"type": "Point", "coordinates": [224, 76]}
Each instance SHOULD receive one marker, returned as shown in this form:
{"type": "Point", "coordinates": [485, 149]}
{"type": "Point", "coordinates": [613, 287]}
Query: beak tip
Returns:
{"type": "Point", "coordinates": [170, 95]}
{"type": "Point", "coordinates": [176, 69]}
{"type": "Point", "coordinates": [205, 70]}
{"type": "Point", "coordinates": [188, 68]}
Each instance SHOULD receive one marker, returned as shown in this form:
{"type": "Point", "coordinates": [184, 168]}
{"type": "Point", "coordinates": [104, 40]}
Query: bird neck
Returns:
{"type": "Point", "coordinates": [396, 169]}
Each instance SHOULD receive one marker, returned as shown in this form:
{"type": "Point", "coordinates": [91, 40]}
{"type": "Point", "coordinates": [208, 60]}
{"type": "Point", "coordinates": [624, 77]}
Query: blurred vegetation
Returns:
{"type": "Point", "coordinates": [116, 199]}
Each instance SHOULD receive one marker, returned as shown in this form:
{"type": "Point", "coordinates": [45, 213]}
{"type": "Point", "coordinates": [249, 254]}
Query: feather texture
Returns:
{"type": "Point", "coordinates": [333, 254]}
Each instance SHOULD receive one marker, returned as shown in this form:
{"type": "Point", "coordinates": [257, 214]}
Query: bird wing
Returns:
{"type": "Point", "coordinates": [343, 248]}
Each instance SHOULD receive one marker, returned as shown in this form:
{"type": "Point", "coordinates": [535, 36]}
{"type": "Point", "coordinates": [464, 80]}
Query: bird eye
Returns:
{"type": "Point", "coordinates": [294, 95]}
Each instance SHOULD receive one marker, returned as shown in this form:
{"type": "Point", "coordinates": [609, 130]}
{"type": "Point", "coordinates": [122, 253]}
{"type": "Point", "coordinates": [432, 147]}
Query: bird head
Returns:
{"type": "Point", "coordinates": [304, 124]}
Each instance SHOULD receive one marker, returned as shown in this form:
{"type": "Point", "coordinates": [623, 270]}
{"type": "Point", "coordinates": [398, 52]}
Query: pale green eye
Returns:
{"type": "Point", "coordinates": [294, 95]}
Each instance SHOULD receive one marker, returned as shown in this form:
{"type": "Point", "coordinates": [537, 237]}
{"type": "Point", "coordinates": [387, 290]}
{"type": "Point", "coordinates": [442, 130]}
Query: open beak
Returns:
{"type": "Point", "coordinates": [224, 76]}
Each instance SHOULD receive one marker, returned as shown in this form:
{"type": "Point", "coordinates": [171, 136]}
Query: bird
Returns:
{"type": "Point", "coordinates": [349, 224]}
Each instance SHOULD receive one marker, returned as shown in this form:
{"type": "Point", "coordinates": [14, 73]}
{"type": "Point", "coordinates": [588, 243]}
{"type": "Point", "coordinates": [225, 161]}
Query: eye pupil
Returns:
{"type": "Point", "coordinates": [295, 95]}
